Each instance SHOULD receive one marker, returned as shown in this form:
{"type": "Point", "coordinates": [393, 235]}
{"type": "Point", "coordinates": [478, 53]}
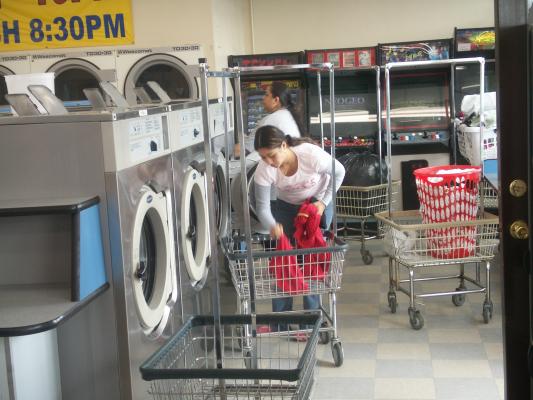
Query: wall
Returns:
{"type": "Point", "coordinates": [222, 27]}
{"type": "Point", "coordinates": [281, 25]}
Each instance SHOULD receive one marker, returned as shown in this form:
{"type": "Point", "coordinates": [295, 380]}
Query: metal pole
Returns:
{"type": "Point", "coordinates": [332, 122]}
{"type": "Point", "coordinates": [481, 125]}
{"type": "Point", "coordinates": [319, 84]}
{"type": "Point", "coordinates": [378, 118]}
{"type": "Point", "coordinates": [227, 155]}
{"type": "Point", "coordinates": [246, 208]}
{"type": "Point", "coordinates": [389, 137]}
{"type": "Point", "coordinates": [213, 260]}
{"type": "Point", "coordinates": [454, 111]}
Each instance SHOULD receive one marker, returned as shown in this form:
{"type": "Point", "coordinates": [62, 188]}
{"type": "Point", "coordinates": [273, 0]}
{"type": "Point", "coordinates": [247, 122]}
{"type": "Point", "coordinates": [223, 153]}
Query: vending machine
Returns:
{"type": "Point", "coordinates": [254, 84]}
{"type": "Point", "coordinates": [420, 111]}
{"type": "Point", "coordinates": [355, 86]}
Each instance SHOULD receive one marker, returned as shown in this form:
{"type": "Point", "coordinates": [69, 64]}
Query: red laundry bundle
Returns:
{"type": "Point", "coordinates": [289, 277]}
{"type": "Point", "coordinates": [308, 235]}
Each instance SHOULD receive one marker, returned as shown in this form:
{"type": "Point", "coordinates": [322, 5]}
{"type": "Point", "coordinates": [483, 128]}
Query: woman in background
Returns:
{"type": "Point", "coordinates": [283, 113]}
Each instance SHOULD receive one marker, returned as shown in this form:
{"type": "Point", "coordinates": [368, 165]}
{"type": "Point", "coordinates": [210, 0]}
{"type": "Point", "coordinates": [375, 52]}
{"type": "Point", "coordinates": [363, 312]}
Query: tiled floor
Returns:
{"type": "Point", "coordinates": [454, 356]}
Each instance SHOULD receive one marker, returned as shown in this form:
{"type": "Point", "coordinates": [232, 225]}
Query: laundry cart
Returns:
{"type": "Point", "coordinates": [224, 357]}
{"type": "Point", "coordinates": [360, 203]}
{"type": "Point", "coordinates": [269, 367]}
{"type": "Point", "coordinates": [421, 250]}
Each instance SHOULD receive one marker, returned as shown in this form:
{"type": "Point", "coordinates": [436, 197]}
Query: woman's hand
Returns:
{"type": "Point", "coordinates": [320, 207]}
{"type": "Point", "coordinates": [276, 231]}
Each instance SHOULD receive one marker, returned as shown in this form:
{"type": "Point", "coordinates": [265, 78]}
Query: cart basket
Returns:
{"type": "Point", "coordinates": [282, 273]}
{"type": "Point", "coordinates": [274, 365]}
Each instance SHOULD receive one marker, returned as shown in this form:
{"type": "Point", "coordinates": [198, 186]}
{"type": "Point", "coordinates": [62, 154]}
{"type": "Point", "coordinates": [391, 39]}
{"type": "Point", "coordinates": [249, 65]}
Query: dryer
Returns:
{"type": "Point", "coordinates": [12, 64]}
{"type": "Point", "coordinates": [171, 67]}
{"type": "Point", "coordinates": [139, 187]}
{"type": "Point", "coordinates": [75, 71]}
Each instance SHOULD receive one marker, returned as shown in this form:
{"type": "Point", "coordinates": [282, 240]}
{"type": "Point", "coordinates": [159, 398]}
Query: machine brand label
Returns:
{"type": "Point", "coordinates": [149, 199]}
{"type": "Point", "coordinates": [38, 24]}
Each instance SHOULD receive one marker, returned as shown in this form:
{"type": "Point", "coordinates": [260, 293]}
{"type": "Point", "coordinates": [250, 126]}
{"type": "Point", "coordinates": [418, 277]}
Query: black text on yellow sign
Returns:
{"type": "Point", "coordinates": [36, 24]}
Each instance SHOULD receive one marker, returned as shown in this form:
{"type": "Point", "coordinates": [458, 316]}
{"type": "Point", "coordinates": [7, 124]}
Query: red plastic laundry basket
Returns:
{"type": "Point", "coordinates": [449, 193]}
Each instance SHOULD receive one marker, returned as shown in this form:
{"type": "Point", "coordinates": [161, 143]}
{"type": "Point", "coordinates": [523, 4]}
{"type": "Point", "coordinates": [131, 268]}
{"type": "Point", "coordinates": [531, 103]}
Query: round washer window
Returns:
{"type": "Point", "coordinates": [151, 270]}
{"type": "Point", "coordinates": [69, 84]}
{"type": "Point", "coordinates": [194, 229]}
{"type": "Point", "coordinates": [170, 72]}
{"type": "Point", "coordinates": [169, 78]}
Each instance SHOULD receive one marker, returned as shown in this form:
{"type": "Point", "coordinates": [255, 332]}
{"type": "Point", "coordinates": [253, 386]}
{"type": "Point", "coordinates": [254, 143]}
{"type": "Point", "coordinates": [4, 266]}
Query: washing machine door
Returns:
{"type": "Point", "coordinates": [152, 263]}
{"type": "Point", "coordinates": [171, 73]}
{"type": "Point", "coordinates": [221, 196]}
{"type": "Point", "coordinates": [194, 227]}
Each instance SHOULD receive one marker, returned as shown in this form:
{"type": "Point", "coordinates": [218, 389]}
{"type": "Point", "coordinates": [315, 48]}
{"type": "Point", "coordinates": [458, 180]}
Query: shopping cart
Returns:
{"type": "Point", "coordinates": [417, 246]}
{"type": "Point", "coordinates": [361, 203]}
{"type": "Point", "coordinates": [312, 277]}
{"type": "Point", "coordinates": [264, 366]}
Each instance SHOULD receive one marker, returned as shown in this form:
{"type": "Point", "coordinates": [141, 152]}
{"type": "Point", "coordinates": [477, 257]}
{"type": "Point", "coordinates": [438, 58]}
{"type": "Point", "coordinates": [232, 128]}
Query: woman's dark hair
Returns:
{"type": "Point", "coordinates": [280, 90]}
{"type": "Point", "coordinates": [270, 137]}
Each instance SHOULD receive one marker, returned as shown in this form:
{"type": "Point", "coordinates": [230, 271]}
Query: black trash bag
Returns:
{"type": "Point", "coordinates": [362, 169]}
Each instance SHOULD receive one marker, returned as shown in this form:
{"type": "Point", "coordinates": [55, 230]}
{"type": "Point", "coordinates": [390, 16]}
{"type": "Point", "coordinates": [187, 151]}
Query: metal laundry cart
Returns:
{"type": "Point", "coordinates": [223, 357]}
{"type": "Point", "coordinates": [420, 247]}
{"type": "Point", "coordinates": [252, 259]}
{"type": "Point", "coordinates": [272, 367]}
{"type": "Point", "coordinates": [417, 247]}
{"type": "Point", "coordinates": [361, 203]}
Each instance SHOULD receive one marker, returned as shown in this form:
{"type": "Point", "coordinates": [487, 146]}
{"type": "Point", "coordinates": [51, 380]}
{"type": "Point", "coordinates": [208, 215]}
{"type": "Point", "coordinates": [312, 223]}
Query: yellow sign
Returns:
{"type": "Point", "coordinates": [47, 24]}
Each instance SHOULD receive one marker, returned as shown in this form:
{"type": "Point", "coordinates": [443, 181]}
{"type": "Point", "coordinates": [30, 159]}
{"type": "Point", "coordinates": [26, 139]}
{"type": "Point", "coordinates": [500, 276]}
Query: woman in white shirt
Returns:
{"type": "Point", "coordinates": [299, 170]}
{"type": "Point", "coordinates": [283, 113]}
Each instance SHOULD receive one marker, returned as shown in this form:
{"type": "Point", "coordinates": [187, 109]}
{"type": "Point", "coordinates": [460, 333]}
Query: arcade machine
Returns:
{"type": "Point", "coordinates": [420, 112]}
{"type": "Point", "coordinates": [253, 85]}
{"type": "Point", "coordinates": [473, 42]}
{"type": "Point", "coordinates": [356, 125]}
{"type": "Point", "coordinates": [477, 42]}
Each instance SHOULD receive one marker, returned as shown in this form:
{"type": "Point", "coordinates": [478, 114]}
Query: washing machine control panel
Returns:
{"type": "Point", "coordinates": [131, 141]}
{"type": "Point", "coordinates": [186, 127]}
{"type": "Point", "coordinates": [216, 117]}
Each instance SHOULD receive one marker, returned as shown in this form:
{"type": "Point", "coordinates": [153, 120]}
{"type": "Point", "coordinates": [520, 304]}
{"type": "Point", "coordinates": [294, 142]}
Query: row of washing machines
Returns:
{"type": "Point", "coordinates": [148, 168]}
{"type": "Point", "coordinates": [127, 68]}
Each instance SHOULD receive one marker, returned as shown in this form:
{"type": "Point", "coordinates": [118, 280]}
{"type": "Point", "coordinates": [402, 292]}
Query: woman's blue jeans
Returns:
{"type": "Point", "coordinates": [284, 213]}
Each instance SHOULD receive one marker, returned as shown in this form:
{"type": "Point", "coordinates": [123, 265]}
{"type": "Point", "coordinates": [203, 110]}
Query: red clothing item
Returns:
{"type": "Point", "coordinates": [308, 235]}
{"type": "Point", "coordinates": [289, 277]}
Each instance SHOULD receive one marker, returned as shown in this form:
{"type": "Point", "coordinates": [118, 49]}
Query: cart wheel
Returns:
{"type": "Point", "coordinates": [458, 299]}
{"type": "Point", "coordinates": [324, 337]}
{"type": "Point", "coordinates": [487, 311]}
{"type": "Point", "coordinates": [393, 303]}
{"type": "Point", "coordinates": [416, 319]}
{"type": "Point", "coordinates": [367, 258]}
{"type": "Point", "coordinates": [338, 353]}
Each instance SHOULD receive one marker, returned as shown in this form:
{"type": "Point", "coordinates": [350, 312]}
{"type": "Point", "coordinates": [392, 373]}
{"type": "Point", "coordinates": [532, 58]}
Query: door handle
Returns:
{"type": "Point", "coordinates": [519, 230]}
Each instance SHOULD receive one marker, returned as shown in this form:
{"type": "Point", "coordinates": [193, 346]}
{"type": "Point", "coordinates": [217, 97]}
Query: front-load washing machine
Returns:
{"type": "Point", "coordinates": [171, 67]}
{"type": "Point", "coordinates": [75, 71]}
{"type": "Point", "coordinates": [124, 158]}
{"type": "Point", "coordinates": [139, 188]}
{"type": "Point", "coordinates": [192, 221]}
